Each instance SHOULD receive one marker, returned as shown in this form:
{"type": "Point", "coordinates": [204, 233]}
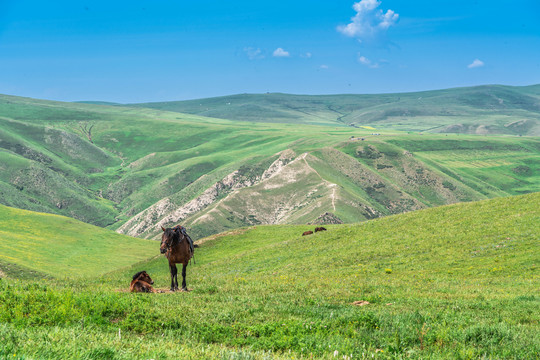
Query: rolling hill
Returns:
{"type": "Point", "coordinates": [132, 169]}
{"type": "Point", "coordinates": [34, 245]}
{"type": "Point", "coordinates": [457, 281]}
{"type": "Point", "coordinates": [490, 109]}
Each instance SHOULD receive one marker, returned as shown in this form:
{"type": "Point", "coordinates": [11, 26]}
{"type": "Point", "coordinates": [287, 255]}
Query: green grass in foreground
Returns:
{"type": "Point", "coordinates": [455, 282]}
{"type": "Point", "coordinates": [64, 247]}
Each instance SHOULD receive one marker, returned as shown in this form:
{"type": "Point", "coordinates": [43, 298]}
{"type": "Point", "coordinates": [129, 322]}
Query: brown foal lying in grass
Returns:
{"type": "Point", "coordinates": [142, 282]}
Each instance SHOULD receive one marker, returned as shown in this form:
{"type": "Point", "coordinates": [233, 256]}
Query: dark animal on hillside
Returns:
{"type": "Point", "coordinates": [320, 229]}
{"type": "Point", "coordinates": [177, 246]}
{"type": "Point", "coordinates": [142, 282]}
{"type": "Point", "coordinates": [307, 233]}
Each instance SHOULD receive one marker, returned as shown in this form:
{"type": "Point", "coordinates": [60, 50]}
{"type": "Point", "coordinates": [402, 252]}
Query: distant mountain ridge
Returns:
{"type": "Point", "coordinates": [98, 103]}
{"type": "Point", "coordinates": [487, 109]}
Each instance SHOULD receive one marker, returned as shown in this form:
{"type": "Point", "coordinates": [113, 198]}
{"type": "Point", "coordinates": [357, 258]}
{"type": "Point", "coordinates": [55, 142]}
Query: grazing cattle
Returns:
{"type": "Point", "coordinates": [320, 229]}
{"type": "Point", "coordinates": [307, 233]}
{"type": "Point", "coordinates": [177, 246]}
{"type": "Point", "coordinates": [142, 282]}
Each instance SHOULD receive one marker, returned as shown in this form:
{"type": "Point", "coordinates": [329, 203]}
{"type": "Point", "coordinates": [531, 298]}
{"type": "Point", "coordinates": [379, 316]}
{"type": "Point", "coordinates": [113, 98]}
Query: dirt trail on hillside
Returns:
{"type": "Point", "coordinates": [329, 184]}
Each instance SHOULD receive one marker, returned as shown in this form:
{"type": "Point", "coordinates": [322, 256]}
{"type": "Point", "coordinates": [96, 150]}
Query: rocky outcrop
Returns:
{"type": "Point", "coordinates": [141, 222]}
{"type": "Point", "coordinates": [325, 219]}
{"type": "Point", "coordinates": [285, 157]}
{"type": "Point", "coordinates": [164, 212]}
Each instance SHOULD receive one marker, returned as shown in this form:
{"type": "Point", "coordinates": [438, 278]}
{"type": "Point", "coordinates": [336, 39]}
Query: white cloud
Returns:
{"type": "Point", "coordinates": [307, 55]}
{"type": "Point", "coordinates": [253, 53]}
{"type": "Point", "coordinates": [323, 66]}
{"type": "Point", "coordinates": [369, 22]}
{"type": "Point", "coordinates": [365, 61]}
{"type": "Point", "coordinates": [476, 63]}
{"type": "Point", "coordinates": [279, 52]}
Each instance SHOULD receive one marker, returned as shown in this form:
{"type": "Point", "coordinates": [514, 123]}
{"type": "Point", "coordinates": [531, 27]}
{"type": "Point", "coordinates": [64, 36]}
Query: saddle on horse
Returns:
{"type": "Point", "coordinates": [184, 232]}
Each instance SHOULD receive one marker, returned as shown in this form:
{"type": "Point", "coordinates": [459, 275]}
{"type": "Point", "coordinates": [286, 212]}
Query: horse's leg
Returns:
{"type": "Point", "coordinates": [175, 278]}
{"type": "Point", "coordinates": [174, 272]}
{"type": "Point", "coordinates": [184, 286]}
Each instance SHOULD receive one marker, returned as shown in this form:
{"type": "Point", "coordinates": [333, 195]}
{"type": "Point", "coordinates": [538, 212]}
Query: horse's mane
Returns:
{"type": "Point", "coordinates": [175, 235]}
{"type": "Point", "coordinates": [179, 233]}
{"type": "Point", "coordinates": [137, 275]}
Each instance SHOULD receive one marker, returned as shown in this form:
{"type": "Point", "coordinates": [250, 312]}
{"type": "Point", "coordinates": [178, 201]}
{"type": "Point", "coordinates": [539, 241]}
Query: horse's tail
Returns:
{"type": "Point", "coordinates": [191, 248]}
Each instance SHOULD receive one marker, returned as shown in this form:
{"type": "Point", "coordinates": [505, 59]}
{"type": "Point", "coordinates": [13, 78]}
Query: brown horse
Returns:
{"type": "Point", "coordinates": [322, 228]}
{"type": "Point", "coordinates": [178, 248]}
{"type": "Point", "coordinates": [142, 282]}
{"type": "Point", "coordinates": [309, 232]}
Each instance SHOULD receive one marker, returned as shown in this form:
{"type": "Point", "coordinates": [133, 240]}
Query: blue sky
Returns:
{"type": "Point", "coordinates": [136, 51]}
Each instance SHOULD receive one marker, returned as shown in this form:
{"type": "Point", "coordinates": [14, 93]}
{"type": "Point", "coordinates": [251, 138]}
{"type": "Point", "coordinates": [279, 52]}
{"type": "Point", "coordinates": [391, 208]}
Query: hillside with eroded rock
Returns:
{"type": "Point", "coordinates": [134, 169]}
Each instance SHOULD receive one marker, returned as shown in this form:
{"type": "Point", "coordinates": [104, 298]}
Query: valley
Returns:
{"type": "Point", "coordinates": [307, 180]}
{"type": "Point", "coordinates": [430, 252]}
{"type": "Point", "coordinates": [143, 167]}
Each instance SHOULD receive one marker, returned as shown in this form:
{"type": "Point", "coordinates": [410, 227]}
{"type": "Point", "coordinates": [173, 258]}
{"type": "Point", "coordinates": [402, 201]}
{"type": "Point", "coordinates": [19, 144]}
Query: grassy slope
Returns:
{"type": "Point", "coordinates": [481, 109]}
{"type": "Point", "coordinates": [62, 247]}
{"type": "Point", "coordinates": [458, 281]}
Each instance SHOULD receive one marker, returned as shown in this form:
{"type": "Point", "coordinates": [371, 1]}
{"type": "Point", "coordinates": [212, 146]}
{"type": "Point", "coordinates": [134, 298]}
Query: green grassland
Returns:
{"type": "Point", "coordinates": [52, 245]}
{"type": "Point", "coordinates": [454, 282]}
{"type": "Point", "coordinates": [490, 109]}
{"type": "Point", "coordinates": [144, 167]}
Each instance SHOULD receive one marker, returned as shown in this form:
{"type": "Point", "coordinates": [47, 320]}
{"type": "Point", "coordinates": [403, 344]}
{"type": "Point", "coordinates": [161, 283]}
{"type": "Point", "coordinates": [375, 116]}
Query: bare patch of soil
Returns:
{"type": "Point", "coordinates": [361, 303]}
{"type": "Point", "coordinates": [168, 291]}
{"type": "Point", "coordinates": [157, 291]}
